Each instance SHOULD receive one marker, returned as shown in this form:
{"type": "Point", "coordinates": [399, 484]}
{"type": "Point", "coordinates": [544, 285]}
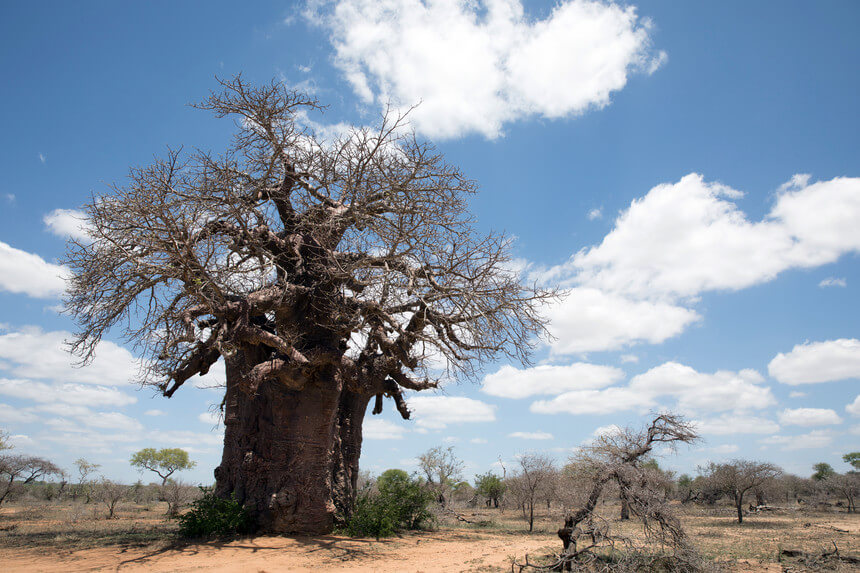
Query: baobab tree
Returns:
{"type": "Point", "coordinates": [325, 274]}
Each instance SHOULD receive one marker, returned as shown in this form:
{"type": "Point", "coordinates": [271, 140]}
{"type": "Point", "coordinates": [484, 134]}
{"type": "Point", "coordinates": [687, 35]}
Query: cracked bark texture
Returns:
{"type": "Point", "coordinates": [323, 273]}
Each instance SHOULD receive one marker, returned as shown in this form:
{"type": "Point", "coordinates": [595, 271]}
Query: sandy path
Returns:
{"type": "Point", "coordinates": [429, 552]}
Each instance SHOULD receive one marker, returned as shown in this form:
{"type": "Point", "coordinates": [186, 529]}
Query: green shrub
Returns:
{"type": "Point", "coordinates": [213, 516]}
{"type": "Point", "coordinates": [401, 502]}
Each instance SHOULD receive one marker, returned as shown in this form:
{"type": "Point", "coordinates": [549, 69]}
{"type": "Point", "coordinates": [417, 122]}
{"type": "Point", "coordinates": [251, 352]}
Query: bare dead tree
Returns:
{"type": "Point", "coordinates": [110, 493]}
{"type": "Point", "coordinates": [737, 477]}
{"type": "Point", "coordinates": [324, 273]}
{"type": "Point", "coordinates": [618, 457]}
{"type": "Point", "coordinates": [847, 486]}
{"type": "Point", "coordinates": [534, 477]}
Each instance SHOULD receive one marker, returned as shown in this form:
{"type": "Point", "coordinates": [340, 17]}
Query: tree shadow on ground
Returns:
{"type": "Point", "coordinates": [343, 549]}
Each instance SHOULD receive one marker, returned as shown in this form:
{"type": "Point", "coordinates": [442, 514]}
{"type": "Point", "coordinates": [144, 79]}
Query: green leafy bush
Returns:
{"type": "Point", "coordinates": [213, 516]}
{"type": "Point", "coordinates": [401, 502]}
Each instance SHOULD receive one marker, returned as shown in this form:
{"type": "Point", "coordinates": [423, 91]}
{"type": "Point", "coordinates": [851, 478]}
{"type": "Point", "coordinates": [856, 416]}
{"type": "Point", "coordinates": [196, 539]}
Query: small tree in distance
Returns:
{"type": "Point", "coordinates": [738, 477]}
{"type": "Point", "coordinates": [85, 468]}
{"type": "Point", "coordinates": [823, 470]}
{"type": "Point", "coordinates": [442, 469]}
{"type": "Point", "coordinates": [853, 459]}
{"type": "Point", "coordinates": [163, 462]}
{"type": "Point", "coordinates": [490, 486]}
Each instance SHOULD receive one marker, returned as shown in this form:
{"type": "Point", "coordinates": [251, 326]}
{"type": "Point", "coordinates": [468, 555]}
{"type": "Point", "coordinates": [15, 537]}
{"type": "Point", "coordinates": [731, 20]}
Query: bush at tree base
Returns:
{"type": "Point", "coordinates": [400, 503]}
{"type": "Point", "coordinates": [212, 516]}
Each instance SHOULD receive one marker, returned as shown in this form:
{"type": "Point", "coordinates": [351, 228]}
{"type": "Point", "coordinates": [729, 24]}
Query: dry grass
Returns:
{"type": "Point", "coordinates": [75, 525]}
{"type": "Point", "coordinates": [51, 531]}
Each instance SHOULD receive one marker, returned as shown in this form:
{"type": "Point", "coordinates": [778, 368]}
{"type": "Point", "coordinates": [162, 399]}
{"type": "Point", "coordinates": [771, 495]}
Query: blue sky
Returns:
{"type": "Point", "coordinates": [687, 172]}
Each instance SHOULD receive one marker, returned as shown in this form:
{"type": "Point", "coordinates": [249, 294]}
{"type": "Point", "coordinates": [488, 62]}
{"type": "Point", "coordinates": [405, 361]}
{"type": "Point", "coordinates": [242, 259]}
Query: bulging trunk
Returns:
{"type": "Point", "coordinates": [291, 457]}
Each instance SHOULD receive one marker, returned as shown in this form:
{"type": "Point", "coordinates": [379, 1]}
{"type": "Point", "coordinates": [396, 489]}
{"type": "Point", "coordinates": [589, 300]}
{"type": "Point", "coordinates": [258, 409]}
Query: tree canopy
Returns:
{"type": "Point", "coordinates": [164, 462]}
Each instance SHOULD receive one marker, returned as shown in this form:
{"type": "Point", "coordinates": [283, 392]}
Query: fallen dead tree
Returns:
{"type": "Point", "coordinates": [589, 543]}
{"type": "Point", "coordinates": [824, 558]}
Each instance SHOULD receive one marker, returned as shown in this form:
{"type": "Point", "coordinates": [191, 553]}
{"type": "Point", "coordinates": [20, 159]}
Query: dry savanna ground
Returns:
{"type": "Point", "coordinates": [77, 537]}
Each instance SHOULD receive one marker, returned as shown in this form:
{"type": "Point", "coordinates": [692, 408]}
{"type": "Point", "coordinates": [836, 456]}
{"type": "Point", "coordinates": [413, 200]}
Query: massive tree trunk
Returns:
{"type": "Point", "coordinates": [291, 457]}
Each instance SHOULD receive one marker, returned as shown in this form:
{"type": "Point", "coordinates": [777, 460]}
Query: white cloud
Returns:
{"type": "Point", "coordinates": [10, 198]}
{"type": "Point", "coordinates": [12, 415]}
{"type": "Point", "coordinates": [155, 412]}
{"type": "Point", "coordinates": [604, 401]}
{"type": "Point", "coordinates": [833, 282]}
{"type": "Point", "coordinates": [796, 394]}
{"type": "Point", "coordinates": [477, 441]}
{"type": "Point", "coordinates": [729, 424]}
{"type": "Point", "coordinates": [436, 412]}
{"type": "Point", "coordinates": [607, 430]}
{"type": "Point", "coordinates": [43, 158]}
{"type": "Point", "coordinates": [854, 407]}
{"type": "Point", "coordinates": [590, 320]}
{"type": "Point", "coordinates": [531, 435]}
{"type": "Point", "coordinates": [184, 438]}
{"type": "Point", "coordinates": [627, 358]}
{"type": "Point", "coordinates": [814, 439]}
{"type": "Point", "coordinates": [595, 214]}
{"type": "Point", "coordinates": [67, 223]}
{"type": "Point", "coordinates": [76, 394]}
{"type": "Point", "coordinates": [33, 353]}
{"type": "Point", "coordinates": [211, 418]}
{"type": "Point", "coordinates": [815, 362]}
{"type": "Point", "coordinates": [682, 239]}
{"type": "Point", "coordinates": [25, 273]}
{"type": "Point", "coordinates": [475, 66]}
{"type": "Point", "coordinates": [511, 382]}
{"type": "Point", "coordinates": [112, 421]}
{"type": "Point", "coordinates": [723, 390]}
{"type": "Point", "coordinates": [691, 390]}
{"type": "Point", "coordinates": [379, 429]}
{"type": "Point", "coordinates": [809, 417]}
{"type": "Point", "coordinates": [725, 449]}
{"type": "Point", "coordinates": [215, 379]}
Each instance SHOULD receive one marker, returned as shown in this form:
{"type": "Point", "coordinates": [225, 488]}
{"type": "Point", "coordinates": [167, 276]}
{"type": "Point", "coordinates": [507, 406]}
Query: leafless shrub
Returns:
{"type": "Point", "coordinates": [177, 494]}
{"type": "Point", "coordinates": [618, 458]}
{"type": "Point", "coordinates": [110, 494]}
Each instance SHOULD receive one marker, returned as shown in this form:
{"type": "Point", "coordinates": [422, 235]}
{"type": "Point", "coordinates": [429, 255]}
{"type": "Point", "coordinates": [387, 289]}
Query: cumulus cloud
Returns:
{"type": "Point", "coordinates": [67, 223]}
{"type": "Point", "coordinates": [729, 424]}
{"type": "Point", "coordinates": [475, 66]}
{"type": "Point", "coordinates": [210, 417]}
{"type": "Point", "coordinates": [725, 449]}
{"type": "Point", "coordinates": [688, 389]}
{"type": "Point", "coordinates": [723, 390]}
{"type": "Point", "coordinates": [591, 320]}
{"type": "Point", "coordinates": [531, 435]}
{"type": "Point", "coordinates": [112, 421]}
{"type": "Point", "coordinates": [77, 394]}
{"type": "Point", "coordinates": [686, 238]}
{"type": "Point", "coordinates": [25, 273]}
{"type": "Point", "coordinates": [809, 417]}
{"type": "Point", "coordinates": [854, 407]}
{"type": "Point", "coordinates": [436, 412]}
{"type": "Point", "coordinates": [511, 382]}
{"type": "Point", "coordinates": [12, 415]}
{"type": "Point", "coordinates": [814, 439]}
{"type": "Point", "coordinates": [32, 353]}
{"type": "Point", "coordinates": [833, 282]}
{"type": "Point", "coordinates": [379, 429]}
{"type": "Point", "coordinates": [595, 214]}
{"type": "Point", "coordinates": [815, 362]}
{"type": "Point", "coordinates": [605, 401]}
